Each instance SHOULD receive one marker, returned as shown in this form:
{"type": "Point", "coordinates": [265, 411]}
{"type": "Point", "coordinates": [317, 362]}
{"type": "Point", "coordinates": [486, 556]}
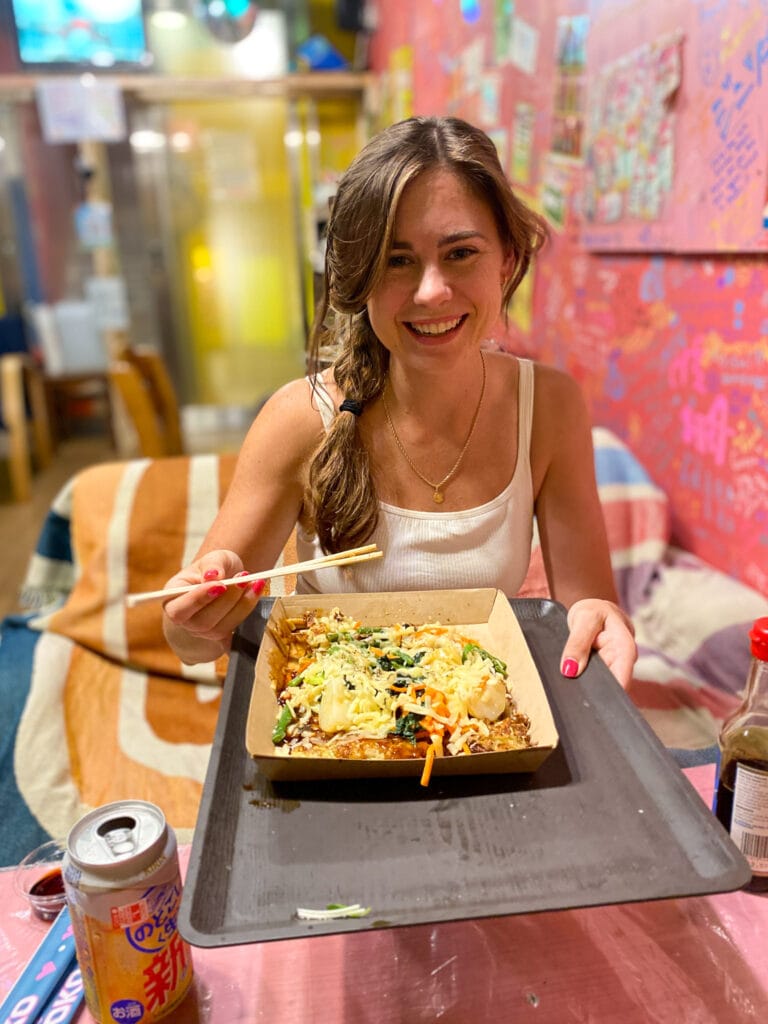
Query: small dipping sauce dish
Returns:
{"type": "Point", "coordinates": [39, 880]}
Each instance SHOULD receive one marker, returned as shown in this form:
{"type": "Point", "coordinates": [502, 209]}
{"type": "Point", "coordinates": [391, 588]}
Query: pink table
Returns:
{"type": "Point", "coordinates": [690, 961]}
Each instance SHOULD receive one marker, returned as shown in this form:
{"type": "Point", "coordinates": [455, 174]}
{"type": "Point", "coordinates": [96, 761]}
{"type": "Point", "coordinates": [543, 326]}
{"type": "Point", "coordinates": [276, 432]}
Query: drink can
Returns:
{"type": "Point", "coordinates": [123, 888]}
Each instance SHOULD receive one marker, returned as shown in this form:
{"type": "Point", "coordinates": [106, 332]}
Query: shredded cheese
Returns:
{"type": "Point", "coordinates": [393, 680]}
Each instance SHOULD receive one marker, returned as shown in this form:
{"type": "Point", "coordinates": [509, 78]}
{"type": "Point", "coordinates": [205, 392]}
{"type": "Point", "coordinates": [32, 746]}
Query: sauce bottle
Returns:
{"type": "Point", "coordinates": [742, 787]}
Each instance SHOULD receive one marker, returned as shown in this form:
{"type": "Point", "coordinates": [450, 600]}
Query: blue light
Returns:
{"type": "Point", "coordinates": [470, 11]}
{"type": "Point", "coordinates": [82, 32]}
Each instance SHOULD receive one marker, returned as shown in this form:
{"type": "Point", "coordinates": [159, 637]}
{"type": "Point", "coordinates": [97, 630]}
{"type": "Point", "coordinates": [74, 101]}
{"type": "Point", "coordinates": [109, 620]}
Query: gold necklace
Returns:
{"type": "Point", "coordinates": [437, 497]}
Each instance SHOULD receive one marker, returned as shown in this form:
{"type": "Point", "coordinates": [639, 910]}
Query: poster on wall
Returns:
{"type": "Point", "coordinates": [630, 142]}
{"type": "Point", "coordinates": [676, 132]}
{"type": "Point", "coordinates": [570, 76]}
{"type": "Point", "coordinates": [80, 110]}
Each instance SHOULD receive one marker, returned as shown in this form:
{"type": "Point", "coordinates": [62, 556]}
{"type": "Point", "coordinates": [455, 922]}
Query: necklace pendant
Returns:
{"type": "Point", "coordinates": [437, 497]}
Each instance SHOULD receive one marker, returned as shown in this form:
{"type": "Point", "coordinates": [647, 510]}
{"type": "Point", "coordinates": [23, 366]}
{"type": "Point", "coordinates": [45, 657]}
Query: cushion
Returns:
{"type": "Point", "coordinates": [637, 522]}
{"type": "Point", "coordinates": [700, 617]}
{"type": "Point", "coordinates": [637, 517]}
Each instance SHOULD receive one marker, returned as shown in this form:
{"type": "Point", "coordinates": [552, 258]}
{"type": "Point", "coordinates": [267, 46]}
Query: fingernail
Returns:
{"type": "Point", "coordinates": [258, 586]}
{"type": "Point", "coordinates": [210, 574]}
{"type": "Point", "coordinates": [216, 591]}
{"type": "Point", "coordinates": [242, 586]}
{"type": "Point", "coordinates": [569, 668]}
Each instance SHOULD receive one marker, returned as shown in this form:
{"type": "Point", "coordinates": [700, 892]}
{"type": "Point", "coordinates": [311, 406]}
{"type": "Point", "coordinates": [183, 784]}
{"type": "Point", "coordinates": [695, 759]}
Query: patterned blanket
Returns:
{"type": "Point", "coordinates": [98, 708]}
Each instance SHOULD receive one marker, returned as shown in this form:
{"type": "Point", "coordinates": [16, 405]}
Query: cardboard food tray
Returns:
{"type": "Point", "coordinates": [607, 818]}
{"type": "Point", "coordinates": [483, 614]}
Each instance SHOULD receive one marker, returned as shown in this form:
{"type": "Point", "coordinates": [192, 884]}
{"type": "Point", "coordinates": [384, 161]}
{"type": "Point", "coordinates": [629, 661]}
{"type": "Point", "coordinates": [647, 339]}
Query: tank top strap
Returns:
{"type": "Point", "coordinates": [320, 396]}
{"type": "Point", "coordinates": [327, 409]}
{"type": "Point", "coordinates": [524, 406]}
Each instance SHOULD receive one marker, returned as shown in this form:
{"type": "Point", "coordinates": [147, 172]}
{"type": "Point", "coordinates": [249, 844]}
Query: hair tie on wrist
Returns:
{"type": "Point", "coordinates": [350, 405]}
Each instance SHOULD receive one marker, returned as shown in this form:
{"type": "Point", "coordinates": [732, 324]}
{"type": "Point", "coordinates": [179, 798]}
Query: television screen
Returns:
{"type": "Point", "coordinates": [94, 34]}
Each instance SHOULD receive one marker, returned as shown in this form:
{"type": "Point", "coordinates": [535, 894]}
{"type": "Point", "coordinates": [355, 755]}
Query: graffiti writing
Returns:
{"type": "Point", "coordinates": [707, 432]}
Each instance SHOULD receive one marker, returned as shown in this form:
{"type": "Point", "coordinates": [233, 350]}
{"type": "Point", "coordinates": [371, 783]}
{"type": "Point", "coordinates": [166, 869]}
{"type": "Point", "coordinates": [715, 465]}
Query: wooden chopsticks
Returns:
{"type": "Point", "coordinates": [350, 557]}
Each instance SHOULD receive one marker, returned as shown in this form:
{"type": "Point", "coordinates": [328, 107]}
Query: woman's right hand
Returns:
{"type": "Point", "coordinates": [199, 625]}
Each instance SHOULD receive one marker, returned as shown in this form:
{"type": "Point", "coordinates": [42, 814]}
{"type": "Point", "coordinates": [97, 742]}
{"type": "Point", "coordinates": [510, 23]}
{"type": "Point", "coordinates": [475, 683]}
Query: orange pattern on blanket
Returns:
{"type": "Point", "coordinates": [157, 546]}
{"type": "Point", "coordinates": [162, 713]}
{"type": "Point", "coordinates": [90, 549]}
{"type": "Point", "coordinates": [133, 526]}
{"type": "Point", "coordinates": [102, 726]}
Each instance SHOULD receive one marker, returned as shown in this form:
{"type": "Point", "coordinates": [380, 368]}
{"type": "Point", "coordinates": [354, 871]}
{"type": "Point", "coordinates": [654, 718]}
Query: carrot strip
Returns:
{"type": "Point", "coordinates": [428, 762]}
{"type": "Point", "coordinates": [434, 729]}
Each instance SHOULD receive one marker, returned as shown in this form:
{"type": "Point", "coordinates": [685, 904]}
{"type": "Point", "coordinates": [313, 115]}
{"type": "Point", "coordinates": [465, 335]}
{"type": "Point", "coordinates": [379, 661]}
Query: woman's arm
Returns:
{"type": "Point", "coordinates": [572, 529]}
{"type": "Point", "coordinates": [261, 507]}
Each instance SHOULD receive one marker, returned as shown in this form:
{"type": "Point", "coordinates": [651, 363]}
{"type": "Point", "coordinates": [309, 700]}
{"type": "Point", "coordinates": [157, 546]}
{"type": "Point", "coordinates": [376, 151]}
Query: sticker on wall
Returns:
{"type": "Point", "coordinates": [80, 110]}
{"type": "Point", "coordinates": [93, 225]}
{"type": "Point", "coordinates": [560, 178]}
{"type": "Point", "coordinates": [525, 46]}
{"type": "Point", "coordinates": [570, 85]}
{"type": "Point", "coordinates": [490, 92]}
{"type": "Point", "coordinates": [503, 14]}
{"type": "Point", "coordinates": [522, 142]}
{"type": "Point", "coordinates": [472, 64]}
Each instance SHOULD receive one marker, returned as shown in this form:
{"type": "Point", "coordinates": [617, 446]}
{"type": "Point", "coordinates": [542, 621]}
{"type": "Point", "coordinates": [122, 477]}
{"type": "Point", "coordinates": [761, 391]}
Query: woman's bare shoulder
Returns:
{"type": "Point", "coordinates": [561, 422]}
{"type": "Point", "coordinates": [288, 422]}
{"type": "Point", "coordinates": [557, 396]}
{"type": "Point", "coordinates": [554, 389]}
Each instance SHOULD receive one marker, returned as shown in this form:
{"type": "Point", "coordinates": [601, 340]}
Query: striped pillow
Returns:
{"type": "Point", "coordinates": [636, 514]}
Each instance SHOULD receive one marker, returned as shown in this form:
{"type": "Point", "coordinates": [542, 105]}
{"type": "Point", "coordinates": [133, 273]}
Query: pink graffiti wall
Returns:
{"type": "Point", "coordinates": [670, 349]}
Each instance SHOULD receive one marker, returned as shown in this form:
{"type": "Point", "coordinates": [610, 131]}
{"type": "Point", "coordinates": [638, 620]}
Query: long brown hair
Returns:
{"type": "Point", "coordinates": [343, 500]}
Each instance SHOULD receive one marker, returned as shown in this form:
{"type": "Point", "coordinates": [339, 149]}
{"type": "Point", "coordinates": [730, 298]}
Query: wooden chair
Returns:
{"type": "Point", "coordinates": [142, 389]}
{"type": "Point", "coordinates": [23, 421]}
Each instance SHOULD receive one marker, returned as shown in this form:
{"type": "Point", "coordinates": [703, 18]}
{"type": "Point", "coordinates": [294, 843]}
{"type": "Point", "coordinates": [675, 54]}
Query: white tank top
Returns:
{"type": "Point", "coordinates": [487, 546]}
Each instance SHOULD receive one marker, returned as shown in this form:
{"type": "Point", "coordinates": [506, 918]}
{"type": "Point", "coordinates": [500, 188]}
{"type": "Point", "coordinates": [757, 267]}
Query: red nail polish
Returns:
{"type": "Point", "coordinates": [570, 667]}
{"type": "Point", "coordinates": [258, 586]}
{"type": "Point", "coordinates": [242, 586]}
{"type": "Point", "coordinates": [216, 591]}
{"type": "Point", "coordinates": [210, 574]}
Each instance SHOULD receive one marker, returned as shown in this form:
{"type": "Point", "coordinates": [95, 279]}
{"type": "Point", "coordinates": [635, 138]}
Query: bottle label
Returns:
{"type": "Point", "coordinates": [749, 825]}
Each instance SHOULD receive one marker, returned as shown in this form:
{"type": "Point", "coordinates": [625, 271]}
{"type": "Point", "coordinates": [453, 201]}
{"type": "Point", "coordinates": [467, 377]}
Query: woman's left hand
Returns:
{"type": "Point", "coordinates": [602, 626]}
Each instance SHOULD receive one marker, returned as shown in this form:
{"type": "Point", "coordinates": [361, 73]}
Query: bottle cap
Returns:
{"type": "Point", "coordinates": [758, 637]}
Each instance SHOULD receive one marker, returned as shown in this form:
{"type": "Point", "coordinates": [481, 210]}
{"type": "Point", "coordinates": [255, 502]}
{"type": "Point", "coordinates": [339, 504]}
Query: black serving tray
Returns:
{"type": "Point", "coordinates": [608, 818]}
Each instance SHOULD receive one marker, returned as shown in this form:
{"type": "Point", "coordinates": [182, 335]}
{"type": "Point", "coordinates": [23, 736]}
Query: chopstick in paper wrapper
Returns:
{"type": "Point", "coordinates": [39, 989]}
{"type": "Point", "coordinates": [63, 1004]}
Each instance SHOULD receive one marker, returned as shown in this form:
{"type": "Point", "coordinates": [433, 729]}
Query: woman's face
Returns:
{"type": "Point", "coordinates": [441, 291]}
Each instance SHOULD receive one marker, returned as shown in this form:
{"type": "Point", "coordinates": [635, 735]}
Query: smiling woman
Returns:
{"type": "Point", "coordinates": [426, 244]}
